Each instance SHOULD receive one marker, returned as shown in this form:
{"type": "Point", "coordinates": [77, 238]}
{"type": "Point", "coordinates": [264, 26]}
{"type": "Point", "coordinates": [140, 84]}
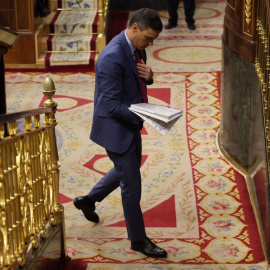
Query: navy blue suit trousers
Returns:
{"type": "Point", "coordinates": [126, 174]}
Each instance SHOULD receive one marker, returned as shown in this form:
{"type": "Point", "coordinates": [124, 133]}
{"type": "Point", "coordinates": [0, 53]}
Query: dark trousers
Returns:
{"type": "Point", "coordinates": [42, 8]}
{"type": "Point", "coordinates": [126, 174]}
{"type": "Point", "coordinates": [189, 6]}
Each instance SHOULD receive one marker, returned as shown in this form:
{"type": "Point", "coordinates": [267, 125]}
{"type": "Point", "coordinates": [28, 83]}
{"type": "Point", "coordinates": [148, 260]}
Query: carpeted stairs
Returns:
{"type": "Point", "coordinates": [72, 42]}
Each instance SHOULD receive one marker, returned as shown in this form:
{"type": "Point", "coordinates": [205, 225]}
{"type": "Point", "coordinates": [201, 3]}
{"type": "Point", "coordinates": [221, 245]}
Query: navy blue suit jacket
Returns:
{"type": "Point", "coordinates": [117, 86]}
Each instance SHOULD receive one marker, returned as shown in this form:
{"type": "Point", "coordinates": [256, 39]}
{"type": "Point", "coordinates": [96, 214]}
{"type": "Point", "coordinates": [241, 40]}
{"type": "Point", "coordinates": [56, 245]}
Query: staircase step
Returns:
{"type": "Point", "coordinates": [41, 36]}
{"type": "Point", "coordinates": [73, 4]}
{"type": "Point", "coordinates": [70, 42]}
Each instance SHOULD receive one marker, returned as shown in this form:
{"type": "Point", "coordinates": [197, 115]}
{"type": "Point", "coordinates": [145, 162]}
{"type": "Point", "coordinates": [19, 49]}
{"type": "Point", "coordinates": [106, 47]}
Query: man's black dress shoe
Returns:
{"type": "Point", "coordinates": [191, 27]}
{"type": "Point", "coordinates": [170, 26]}
{"type": "Point", "coordinates": [148, 248]}
{"type": "Point", "coordinates": [88, 211]}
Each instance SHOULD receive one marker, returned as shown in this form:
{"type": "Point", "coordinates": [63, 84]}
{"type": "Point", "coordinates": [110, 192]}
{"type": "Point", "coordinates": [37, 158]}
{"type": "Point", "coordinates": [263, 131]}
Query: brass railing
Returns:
{"type": "Point", "coordinates": [262, 62]}
{"type": "Point", "coordinates": [29, 181]}
{"type": "Point", "coordinates": [102, 18]}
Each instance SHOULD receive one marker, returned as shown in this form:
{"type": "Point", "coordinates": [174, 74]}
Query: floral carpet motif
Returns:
{"type": "Point", "coordinates": [195, 204]}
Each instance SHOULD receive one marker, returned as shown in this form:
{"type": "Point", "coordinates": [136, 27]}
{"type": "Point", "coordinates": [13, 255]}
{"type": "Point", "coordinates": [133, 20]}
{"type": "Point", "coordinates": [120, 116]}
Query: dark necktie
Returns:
{"type": "Point", "coordinates": [142, 82]}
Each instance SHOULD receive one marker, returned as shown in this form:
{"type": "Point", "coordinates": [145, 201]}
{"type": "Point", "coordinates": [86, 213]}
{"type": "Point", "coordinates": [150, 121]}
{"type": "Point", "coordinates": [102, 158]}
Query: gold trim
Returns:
{"type": "Point", "coordinates": [247, 18]}
{"type": "Point", "coordinates": [250, 187]}
{"type": "Point", "coordinates": [230, 5]}
{"type": "Point", "coordinates": [248, 11]}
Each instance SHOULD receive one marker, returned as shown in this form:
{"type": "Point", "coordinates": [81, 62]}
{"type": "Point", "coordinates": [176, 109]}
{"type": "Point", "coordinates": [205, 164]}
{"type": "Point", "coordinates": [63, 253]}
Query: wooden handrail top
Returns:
{"type": "Point", "coordinates": [4, 118]}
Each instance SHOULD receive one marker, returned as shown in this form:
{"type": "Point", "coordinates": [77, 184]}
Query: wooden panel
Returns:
{"type": "Point", "coordinates": [5, 13]}
{"type": "Point", "coordinates": [10, 57]}
{"type": "Point", "coordinates": [22, 21]}
{"type": "Point", "coordinates": [245, 48]}
{"type": "Point", "coordinates": [53, 5]}
{"type": "Point", "coordinates": [23, 52]}
{"type": "Point", "coordinates": [23, 17]}
{"type": "Point", "coordinates": [240, 28]}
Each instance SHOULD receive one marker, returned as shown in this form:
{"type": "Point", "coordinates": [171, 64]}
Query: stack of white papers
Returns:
{"type": "Point", "coordinates": [162, 118]}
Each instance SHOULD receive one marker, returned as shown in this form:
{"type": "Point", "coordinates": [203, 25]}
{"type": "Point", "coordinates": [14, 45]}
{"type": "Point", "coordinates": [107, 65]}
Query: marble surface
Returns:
{"type": "Point", "coordinates": [242, 133]}
{"type": "Point", "coordinates": [242, 129]}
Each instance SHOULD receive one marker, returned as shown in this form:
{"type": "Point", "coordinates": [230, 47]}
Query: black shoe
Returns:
{"type": "Point", "coordinates": [88, 211]}
{"type": "Point", "coordinates": [191, 27]}
{"type": "Point", "coordinates": [148, 248]}
{"type": "Point", "coordinates": [170, 26]}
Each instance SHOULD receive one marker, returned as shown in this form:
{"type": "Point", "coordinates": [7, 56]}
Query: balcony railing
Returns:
{"type": "Point", "coordinates": [29, 181]}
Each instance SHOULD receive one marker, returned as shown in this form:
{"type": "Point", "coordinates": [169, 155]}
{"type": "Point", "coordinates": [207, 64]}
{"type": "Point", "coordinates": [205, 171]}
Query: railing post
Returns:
{"type": "Point", "coordinates": [58, 209]}
{"type": "Point", "coordinates": [101, 39]}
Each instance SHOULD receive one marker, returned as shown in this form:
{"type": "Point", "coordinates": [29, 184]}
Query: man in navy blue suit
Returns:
{"type": "Point", "coordinates": [121, 78]}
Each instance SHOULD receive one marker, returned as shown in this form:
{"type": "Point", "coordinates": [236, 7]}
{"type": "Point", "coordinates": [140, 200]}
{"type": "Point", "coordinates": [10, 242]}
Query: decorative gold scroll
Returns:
{"type": "Point", "coordinates": [248, 11]}
{"type": "Point", "coordinates": [248, 25]}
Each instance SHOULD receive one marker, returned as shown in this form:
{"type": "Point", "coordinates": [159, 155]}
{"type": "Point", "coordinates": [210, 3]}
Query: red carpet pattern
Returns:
{"type": "Point", "coordinates": [195, 204]}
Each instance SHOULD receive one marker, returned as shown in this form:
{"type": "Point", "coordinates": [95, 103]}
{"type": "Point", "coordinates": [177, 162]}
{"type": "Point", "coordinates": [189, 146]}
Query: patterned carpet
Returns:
{"type": "Point", "coordinates": [195, 204]}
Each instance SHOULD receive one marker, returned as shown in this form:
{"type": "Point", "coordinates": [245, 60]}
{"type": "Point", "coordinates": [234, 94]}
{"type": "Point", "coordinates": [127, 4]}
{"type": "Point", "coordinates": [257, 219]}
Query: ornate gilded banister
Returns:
{"type": "Point", "coordinates": [102, 15]}
{"type": "Point", "coordinates": [29, 181]}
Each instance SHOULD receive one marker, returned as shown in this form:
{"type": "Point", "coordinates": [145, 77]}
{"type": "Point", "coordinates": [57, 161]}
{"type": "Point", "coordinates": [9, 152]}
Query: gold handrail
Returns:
{"type": "Point", "coordinates": [4, 118]}
{"type": "Point", "coordinates": [102, 13]}
{"type": "Point", "coordinates": [29, 181]}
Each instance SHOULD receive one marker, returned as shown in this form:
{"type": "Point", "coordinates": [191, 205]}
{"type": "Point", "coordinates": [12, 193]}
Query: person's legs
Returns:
{"type": "Point", "coordinates": [126, 172]}
{"type": "Point", "coordinates": [105, 186]}
{"type": "Point", "coordinates": [189, 6]}
{"type": "Point", "coordinates": [127, 166]}
{"type": "Point", "coordinates": [172, 10]}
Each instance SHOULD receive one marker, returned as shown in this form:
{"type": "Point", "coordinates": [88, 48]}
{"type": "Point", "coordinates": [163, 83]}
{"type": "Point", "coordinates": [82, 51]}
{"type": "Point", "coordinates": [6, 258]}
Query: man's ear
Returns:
{"type": "Point", "coordinates": [135, 28]}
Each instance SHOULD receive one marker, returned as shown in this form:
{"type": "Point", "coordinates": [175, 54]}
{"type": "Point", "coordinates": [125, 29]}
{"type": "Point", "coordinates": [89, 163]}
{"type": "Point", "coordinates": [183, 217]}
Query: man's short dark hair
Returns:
{"type": "Point", "coordinates": [146, 18]}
